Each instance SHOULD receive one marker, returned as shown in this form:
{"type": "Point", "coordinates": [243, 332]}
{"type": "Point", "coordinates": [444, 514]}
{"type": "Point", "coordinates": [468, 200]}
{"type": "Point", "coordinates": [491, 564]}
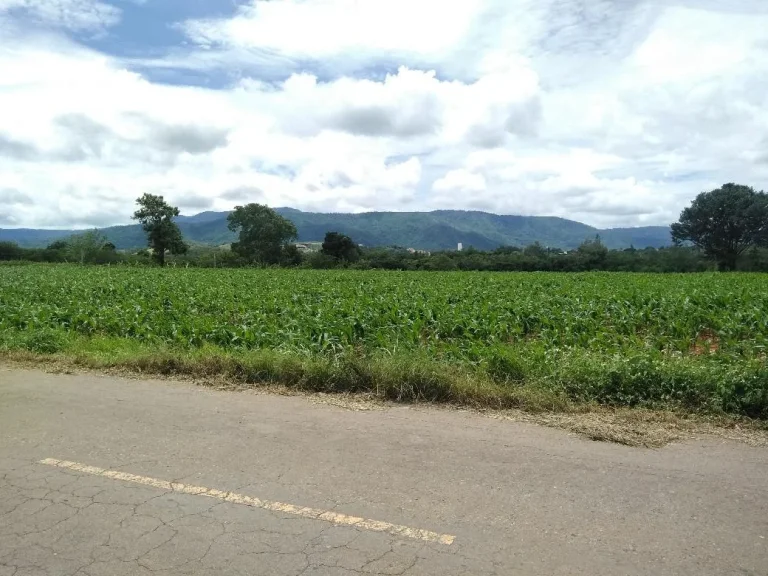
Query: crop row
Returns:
{"type": "Point", "coordinates": [459, 314]}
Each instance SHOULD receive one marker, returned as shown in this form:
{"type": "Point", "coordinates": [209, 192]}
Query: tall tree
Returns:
{"type": "Point", "coordinates": [84, 246]}
{"type": "Point", "coordinates": [163, 234]}
{"type": "Point", "coordinates": [264, 235]}
{"type": "Point", "coordinates": [724, 223]}
{"type": "Point", "coordinates": [592, 254]}
{"type": "Point", "coordinates": [341, 247]}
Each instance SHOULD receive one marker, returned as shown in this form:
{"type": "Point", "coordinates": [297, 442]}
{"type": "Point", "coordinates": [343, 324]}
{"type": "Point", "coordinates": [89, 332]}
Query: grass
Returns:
{"type": "Point", "coordinates": [541, 343]}
{"type": "Point", "coordinates": [409, 377]}
{"type": "Point", "coordinates": [352, 382]}
{"type": "Point", "coordinates": [572, 382]}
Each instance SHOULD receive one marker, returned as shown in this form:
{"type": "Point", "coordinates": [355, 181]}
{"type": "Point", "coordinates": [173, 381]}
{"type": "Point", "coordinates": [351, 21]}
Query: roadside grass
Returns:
{"type": "Point", "coordinates": [404, 377]}
{"type": "Point", "coordinates": [646, 400]}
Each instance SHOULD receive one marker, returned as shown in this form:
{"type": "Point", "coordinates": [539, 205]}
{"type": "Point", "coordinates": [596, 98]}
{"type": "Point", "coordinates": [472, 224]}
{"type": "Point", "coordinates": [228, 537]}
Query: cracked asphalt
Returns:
{"type": "Point", "coordinates": [519, 499]}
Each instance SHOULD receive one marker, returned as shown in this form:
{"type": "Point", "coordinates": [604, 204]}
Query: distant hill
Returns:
{"type": "Point", "coordinates": [440, 230]}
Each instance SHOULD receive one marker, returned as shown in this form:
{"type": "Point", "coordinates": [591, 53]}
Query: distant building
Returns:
{"type": "Point", "coordinates": [461, 247]}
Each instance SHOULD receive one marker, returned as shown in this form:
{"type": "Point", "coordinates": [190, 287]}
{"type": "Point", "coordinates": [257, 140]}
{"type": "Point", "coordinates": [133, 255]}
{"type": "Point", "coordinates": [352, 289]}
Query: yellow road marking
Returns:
{"type": "Point", "coordinates": [325, 515]}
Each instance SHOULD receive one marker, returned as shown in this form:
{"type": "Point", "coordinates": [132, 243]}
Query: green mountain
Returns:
{"type": "Point", "coordinates": [439, 230]}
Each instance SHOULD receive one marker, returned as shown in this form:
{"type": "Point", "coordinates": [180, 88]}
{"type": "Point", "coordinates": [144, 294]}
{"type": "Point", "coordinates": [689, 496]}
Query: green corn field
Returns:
{"type": "Point", "coordinates": [694, 340]}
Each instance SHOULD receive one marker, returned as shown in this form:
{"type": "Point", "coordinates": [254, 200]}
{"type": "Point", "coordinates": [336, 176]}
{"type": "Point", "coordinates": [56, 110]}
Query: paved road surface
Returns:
{"type": "Point", "coordinates": [165, 478]}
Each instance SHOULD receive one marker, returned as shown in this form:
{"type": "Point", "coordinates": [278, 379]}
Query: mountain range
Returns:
{"type": "Point", "coordinates": [439, 230]}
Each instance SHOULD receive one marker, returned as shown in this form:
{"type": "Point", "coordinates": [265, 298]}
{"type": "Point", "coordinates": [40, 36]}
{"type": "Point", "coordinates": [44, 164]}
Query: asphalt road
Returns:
{"type": "Point", "coordinates": [103, 476]}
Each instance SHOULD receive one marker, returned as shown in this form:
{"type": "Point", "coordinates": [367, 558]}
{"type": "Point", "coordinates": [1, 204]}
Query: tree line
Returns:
{"type": "Point", "coordinates": [726, 228]}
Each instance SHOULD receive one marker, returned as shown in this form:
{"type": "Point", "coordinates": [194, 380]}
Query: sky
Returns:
{"type": "Point", "coordinates": [609, 112]}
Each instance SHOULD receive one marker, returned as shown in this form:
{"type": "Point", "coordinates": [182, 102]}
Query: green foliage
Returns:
{"type": "Point", "coordinates": [505, 366]}
{"type": "Point", "coordinates": [506, 259]}
{"type": "Point", "coordinates": [264, 235]}
{"type": "Point", "coordinates": [652, 380]}
{"type": "Point", "coordinates": [46, 341]}
{"type": "Point", "coordinates": [694, 341]}
{"type": "Point", "coordinates": [440, 262]}
{"type": "Point", "coordinates": [341, 247]}
{"type": "Point", "coordinates": [58, 245]}
{"type": "Point", "coordinates": [724, 223]}
{"type": "Point", "coordinates": [84, 247]}
{"type": "Point", "coordinates": [163, 234]}
{"type": "Point", "coordinates": [291, 256]}
{"type": "Point", "coordinates": [10, 251]}
{"type": "Point", "coordinates": [592, 254]}
{"type": "Point", "coordinates": [321, 261]}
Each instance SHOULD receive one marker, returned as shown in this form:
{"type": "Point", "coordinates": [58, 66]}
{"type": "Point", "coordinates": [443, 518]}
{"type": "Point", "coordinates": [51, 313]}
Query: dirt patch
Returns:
{"type": "Point", "coordinates": [706, 342]}
{"type": "Point", "coordinates": [648, 428]}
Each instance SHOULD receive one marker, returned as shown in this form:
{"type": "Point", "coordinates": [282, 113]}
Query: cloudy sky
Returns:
{"type": "Point", "coordinates": [610, 112]}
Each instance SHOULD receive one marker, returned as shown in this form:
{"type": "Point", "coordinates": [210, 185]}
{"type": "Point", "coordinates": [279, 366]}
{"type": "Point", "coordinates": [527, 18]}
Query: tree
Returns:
{"type": "Point", "coordinates": [440, 261]}
{"type": "Point", "coordinates": [592, 254]}
{"type": "Point", "coordinates": [163, 234]}
{"type": "Point", "coordinates": [535, 250]}
{"type": "Point", "coordinates": [85, 246]}
{"type": "Point", "coordinates": [58, 245]}
{"type": "Point", "coordinates": [10, 251]}
{"type": "Point", "coordinates": [341, 247]}
{"type": "Point", "coordinates": [724, 223]}
{"type": "Point", "coordinates": [264, 235]}
{"type": "Point", "coordinates": [321, 261]}
{"type": "Point", "coordinates": [291, 256]}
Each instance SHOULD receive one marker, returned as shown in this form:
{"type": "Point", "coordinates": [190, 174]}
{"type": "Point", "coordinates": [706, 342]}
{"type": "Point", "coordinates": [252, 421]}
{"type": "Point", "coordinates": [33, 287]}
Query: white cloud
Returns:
{"type": "Point", "coordinates": [410, 103]}
{"type": "Point", "coordinates": [116, 135]}
{"type": "Point", "coordinates": [675, 51]}
{"type": "Point", "coordinates": [605, 113]}
{"type": "Point", "coordinates": [77, 15]}
{"type": "Point", "coordinates": [323, 28]}
{"type": "Point", "coordinates": [460, 181]}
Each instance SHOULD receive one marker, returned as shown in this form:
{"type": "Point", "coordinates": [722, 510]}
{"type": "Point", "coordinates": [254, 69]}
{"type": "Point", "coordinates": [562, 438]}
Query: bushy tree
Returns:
{"type": "Point", "coordinates": [724, 223]}
{"type": "Point", "coordinates": [592, 254]}
{"type": "Point", "coordinates": [57, 245]}
{"type": "Point", "coordinates": [264, 235]}
{"type": "Point", "coordinates": [535, 250]}
{"type": "Point", "coordinates": [291, 256]}
{"type": "Point", "coordinates": [84, 247]}
{"type": "Point", "coordinates": [163, 234]}
{"type": "Point", "coordinates": [341, 247]}
{"type": "Point", "coordinates": [440, 261]}
{"type": "Point", "coordinates": [321, 261]}
{"type": "Point", "coordinates": [10, 251]}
